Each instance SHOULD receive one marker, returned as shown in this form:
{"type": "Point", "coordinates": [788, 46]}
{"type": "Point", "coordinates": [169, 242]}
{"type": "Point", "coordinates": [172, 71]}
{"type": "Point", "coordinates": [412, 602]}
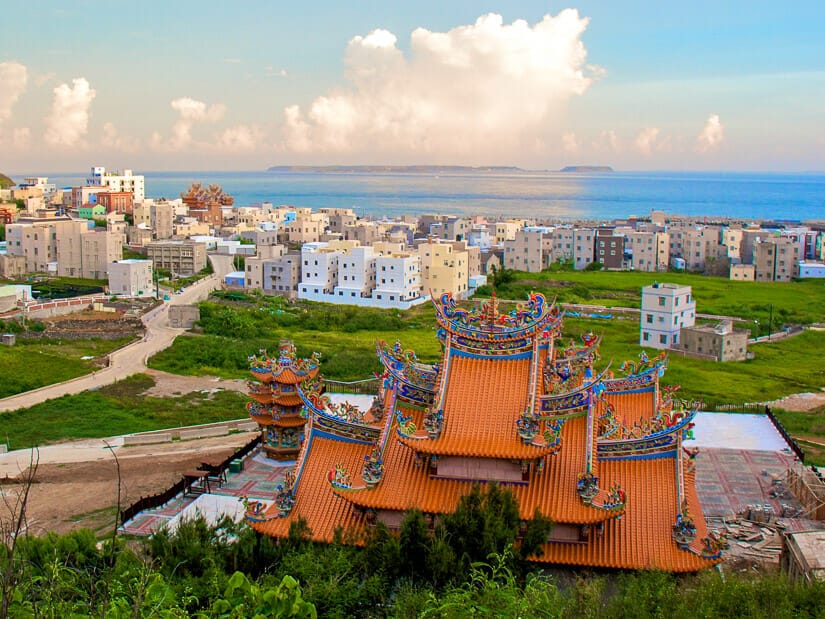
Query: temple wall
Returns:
{"type": "Point", "coordinates": [391, 518]}
{"type": "Point", "coordinates": [478, 469]}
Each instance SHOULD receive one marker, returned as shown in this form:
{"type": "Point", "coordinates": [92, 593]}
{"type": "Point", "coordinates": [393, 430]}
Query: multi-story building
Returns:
{"type": "Point", "coordinates": [306, 228]}
{"type": "Point", "coordinates": [584, 247]}
{"type": "Point", "coordinates": [451, 228]}
{"type": "Point", "coordinates": [319, 269]}
{"type": "Point", "coordinates": [180, 258]}
{"type": "Point", "coordinates": [131, 278]}
{"type": "Point", "coordinates": [116, 201]}
{"type": "Point", "coordinates": [98, 250]}
{"type": "Point", "coordinates": [558, 246]}
{"type": "Point", "coordinates": [443, 269]}
{"type": "Point", "coordinates": [115, 181]}
{"type": "Point", "coordinates": [610, 249]}
{"type": "Point", "coordinates": [365, 232]}
{"type": "Point", "coordinates": [697, 245]}
{"type": "Point", "coordinates": [356, 273]}
{"type": "Point", "coordinates": [732, 240]}
{"type": "Point", "coordinates": [775, 259]}
{"type": "Point", "coordinates": [506, 231]}
{"type": "Point", "coordinates": [666, 309]}
{"type": "Point", "coordinates": [162, 219]}
{"type": "Point", "coordinates": [527, 251]}
{"type": "Point", "coordinates": [85, 195]}
{"type": "Point", "coordinates": [339, 218]}
{"type": "Point", "coordinates": [397, 277]}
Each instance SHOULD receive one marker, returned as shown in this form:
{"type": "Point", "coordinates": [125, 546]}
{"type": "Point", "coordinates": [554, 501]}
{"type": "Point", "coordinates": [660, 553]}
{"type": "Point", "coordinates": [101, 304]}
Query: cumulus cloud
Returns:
{"type": "Point", "coordinates": [711, 136]}
{"type": "Point", "coordinates": [112, 138]}
{"type": "Point", "coordinates": [570, 143]}
{"type": "Point", "coordinates": [238, 139]}
{"type": "Point", "coordinates": [21, 137]}
{"type": "Point", "coordinates": [190, 111]}
{"type": "Point", "coordinates": [646, 140]}
{"type": "Point", "coordinates": [482, 88]}
{"type": "Point", "coordinates": [608, 142]}
{"type": "Point", "coordinates": [68, 120]}
{"type": "Point", "coordinates": [13, 79]}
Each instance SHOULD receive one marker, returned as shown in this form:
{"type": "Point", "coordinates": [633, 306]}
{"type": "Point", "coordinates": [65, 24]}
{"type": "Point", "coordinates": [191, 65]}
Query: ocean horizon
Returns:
{"type": "Point", "coordinates": [744, 196]}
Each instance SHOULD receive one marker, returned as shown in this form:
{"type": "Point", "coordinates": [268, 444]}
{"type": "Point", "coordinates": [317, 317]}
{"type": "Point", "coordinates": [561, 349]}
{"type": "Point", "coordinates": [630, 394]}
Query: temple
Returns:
{"type": "Point", "coordinates": [276, 404]}
{"type": "Point", "coordinates": [600, 455]}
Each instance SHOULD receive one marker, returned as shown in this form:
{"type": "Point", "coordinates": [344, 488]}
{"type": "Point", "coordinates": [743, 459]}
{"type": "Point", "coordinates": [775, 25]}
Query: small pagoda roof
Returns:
{"type": "Point", "coordinates": [287, 368]}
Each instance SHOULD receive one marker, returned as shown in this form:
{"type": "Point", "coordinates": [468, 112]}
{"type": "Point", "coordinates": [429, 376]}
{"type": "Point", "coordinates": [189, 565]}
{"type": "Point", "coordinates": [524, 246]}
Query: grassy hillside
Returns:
{"type": "Point", "coordinates": [5, 181]}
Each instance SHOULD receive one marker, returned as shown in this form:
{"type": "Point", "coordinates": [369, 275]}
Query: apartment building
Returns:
{"type": "Point", "coordinates": [181, 258]}
{"type": "Point", "coordinates": [558, 247]}
{"type": "Point", "coordinates": [85, 195]}
{"type": "Point", "coordinates": [529, 250]}
{"type": "Point", "coordinates": [732, 240]}
{"type": "Point", "coordinates": [666, 309]}
{"type": "Point", "coordinates": [116, 201]}
{"type": "Point", "coordinates": [115, 181]}
{"type": "Point", "coordinates": [319, 269]}
{"type": "Point", "coordinates": [356, 273]}
{"type": "Point", "coordinates": [506, 231]}
{"type": "Point", "coordinates": [610, 249]}
{"type": "Point", "coordinates": [398, 278]}
{"type": "Point", "coordinates": [339, 218]}
{"type": "Point", "coordinates": [364, 232]}
{"type": "Point", "coordinates": [776, 259]}
{"type": "Point", "coordinates": [584, 247]}
{"type": "Point", "coordinates": [443, 269]}
{"type": "Point", "coordinates": [697, 245]}
{"type": "Point", "coordinates": [162, 219]}
{"type": "Point", "coordinates": [306, 228]}
{"type": "Point", "coordinates": [451, 228]}
{"type": "Point", "coordinates": [647, 251]}
{"type": "Point", "coordinates": [131, 278]}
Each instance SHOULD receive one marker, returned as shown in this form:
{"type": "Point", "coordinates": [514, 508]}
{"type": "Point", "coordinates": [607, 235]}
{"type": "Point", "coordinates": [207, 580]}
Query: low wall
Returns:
{"type": "Point", "coordinates": [147, 439]}
{"type": "Point", "coordinates": [186, 435]}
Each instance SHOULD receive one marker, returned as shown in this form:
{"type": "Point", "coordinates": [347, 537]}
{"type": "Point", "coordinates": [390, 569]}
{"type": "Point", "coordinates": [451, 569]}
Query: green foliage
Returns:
{"type": "Point", "coordinates": [244, 598]}
{"type": "Point", "coordinates": [119, 408]}
{"type": "Point", "coordinates": [6, 182]}
{"type": "Point", "coordinates": [594, 266]}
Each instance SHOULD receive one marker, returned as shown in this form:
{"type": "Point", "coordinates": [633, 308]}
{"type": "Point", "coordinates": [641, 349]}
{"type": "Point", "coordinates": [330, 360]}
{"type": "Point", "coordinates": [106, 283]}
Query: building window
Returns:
{"type": "Point", "coordinates": [649, 319]}
{"type": "Point", "coordinates": [662, 301]}
{"type": "Point", "coordinates": [646, 336]}
{"type": "Point", "coordinates": [663, 338]}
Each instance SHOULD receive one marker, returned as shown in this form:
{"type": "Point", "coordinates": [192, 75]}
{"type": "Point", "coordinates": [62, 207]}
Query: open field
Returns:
{"type": "Point", "coordinates": [30, 364]}
{"type": "Point", "coordinates": [120, 408]}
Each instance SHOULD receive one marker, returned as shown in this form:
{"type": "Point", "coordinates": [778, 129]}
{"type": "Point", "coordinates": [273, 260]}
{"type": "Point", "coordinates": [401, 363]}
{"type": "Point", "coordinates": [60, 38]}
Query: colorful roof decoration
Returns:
{"type": "Point", "coordinates": [601, 455]}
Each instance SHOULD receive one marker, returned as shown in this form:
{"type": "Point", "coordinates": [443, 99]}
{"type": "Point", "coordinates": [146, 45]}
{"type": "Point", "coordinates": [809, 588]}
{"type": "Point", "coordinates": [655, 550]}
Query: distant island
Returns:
{"type": "Point", "coordinates": [586, 168]}
{"type": "Point", "coordinates": [424, 169]}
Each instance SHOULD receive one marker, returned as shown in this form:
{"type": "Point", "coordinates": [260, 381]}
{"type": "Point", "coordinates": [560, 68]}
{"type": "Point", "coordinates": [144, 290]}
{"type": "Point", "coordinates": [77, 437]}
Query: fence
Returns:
{"type": "Point", "coordinates": [788, 439]}
{"type": "Point", "coordinates": [167, 495]}
{"type": "Point", "coordinates": [367, 386]}
{"type": "Point", "coordinates": [743, 407]}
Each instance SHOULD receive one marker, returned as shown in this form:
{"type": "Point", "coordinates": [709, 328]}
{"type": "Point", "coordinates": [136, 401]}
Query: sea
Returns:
{"type": "Point", "coordinates": [539, 195]}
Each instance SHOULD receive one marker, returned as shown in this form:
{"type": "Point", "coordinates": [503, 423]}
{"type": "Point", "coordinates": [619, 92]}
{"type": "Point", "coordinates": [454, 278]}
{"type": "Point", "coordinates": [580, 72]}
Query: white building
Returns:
{"type": "Point", "coordinates": [808, 268]}
{"type": "Point", "coordinates": [319, 269]}
{"type": "Point", "coordinates": [356, 273]}
{"type": "Point", "coordinates": [398, 278]}
{"type": "Point", "coordinates": [116, 181]}
{"type": "Point", "coordinates": [666, 309]}
{"type": "Point", "coordinates": [131, 278]}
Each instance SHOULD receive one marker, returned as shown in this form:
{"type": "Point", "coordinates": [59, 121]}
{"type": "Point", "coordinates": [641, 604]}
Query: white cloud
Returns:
{"type": "Point", "coordinates": [711, 136]}
{"type": "Point", "coordinates": [570, 143]}
{"type": "Point", "coordinates": [608, 142]}
{"type": "Point", "coordinates": [68, 120]}
{"type": "Point", "coordinates": [13, 79]}
{"type": "Point", "coordinates": [190, 111]}
{"type": "Point", "coordinates": [488, 89]}
{"type": "Point", "coordinates": [240, 138]}
{"type": "Point", "coordinates": [21, 137]}
{"type": "Point", "coordinates": [646, 140]}
{"type": "Point", "coordinates": [113, 139]}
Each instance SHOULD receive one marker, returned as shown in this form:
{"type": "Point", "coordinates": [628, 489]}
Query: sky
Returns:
{"type": "Point", "coordinates": [208, 85]}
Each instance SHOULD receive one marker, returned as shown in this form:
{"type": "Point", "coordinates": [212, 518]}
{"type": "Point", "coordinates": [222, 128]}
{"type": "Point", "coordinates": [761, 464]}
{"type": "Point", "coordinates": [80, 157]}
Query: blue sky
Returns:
{"type": "Point", "coordinates": [206, 85]}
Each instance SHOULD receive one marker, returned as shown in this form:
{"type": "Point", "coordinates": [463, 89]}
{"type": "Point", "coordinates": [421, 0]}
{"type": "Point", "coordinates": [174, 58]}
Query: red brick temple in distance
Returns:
{"type": "Point", "coordinates": [205, 203]}
{"type": "Point", "coordinates": [600, 455]}
{"type": "Point", "coordinates": [276, 404]}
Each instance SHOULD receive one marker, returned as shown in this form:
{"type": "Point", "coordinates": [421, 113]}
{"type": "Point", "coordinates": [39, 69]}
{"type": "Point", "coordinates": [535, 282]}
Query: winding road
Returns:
{"type": "Point", "coordinates": [131, 359]}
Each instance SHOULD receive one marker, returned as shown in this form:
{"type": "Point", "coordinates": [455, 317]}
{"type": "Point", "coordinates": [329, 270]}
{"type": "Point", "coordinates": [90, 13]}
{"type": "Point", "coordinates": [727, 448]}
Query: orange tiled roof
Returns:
{"type": "Point", "coordinates": [484, 399]}
{"type": "Point", "coordinates": [642, 538]}
{"type": "Point", "coordinates": [405, 486]}
{"type": "Point", "coordinates": [287, 399]}
{"type": "Point", "coordinates": [288, 421]}
{"type": "Point", "coordinates": [315, 500]}
{"type": "Point", "coordinates": [631, 407]}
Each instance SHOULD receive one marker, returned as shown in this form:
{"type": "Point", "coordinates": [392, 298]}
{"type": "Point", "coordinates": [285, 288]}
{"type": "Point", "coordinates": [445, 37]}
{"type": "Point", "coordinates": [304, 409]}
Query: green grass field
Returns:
{"type": "Point", "coordinates": [116, 409]}
{"type": "Point", "coordinates": [30, 364]}
{"type": "Point", "coordinates": [800, 302]}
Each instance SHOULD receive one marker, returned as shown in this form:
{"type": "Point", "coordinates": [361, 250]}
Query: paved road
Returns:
{"type": "Point", "coordinates": [130, 359]}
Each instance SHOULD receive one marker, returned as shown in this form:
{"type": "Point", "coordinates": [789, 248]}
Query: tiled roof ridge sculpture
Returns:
{"type": "Point", "coordinates": [600, 455]}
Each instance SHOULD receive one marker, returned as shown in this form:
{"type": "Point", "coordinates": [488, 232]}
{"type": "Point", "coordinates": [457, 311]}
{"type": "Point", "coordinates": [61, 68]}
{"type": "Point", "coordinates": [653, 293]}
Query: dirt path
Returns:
{"type": "Point", "coordinates": [802, 402]}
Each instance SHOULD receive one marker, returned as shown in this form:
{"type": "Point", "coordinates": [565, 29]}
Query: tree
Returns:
{"type": "Point", "coordinates": [415, 544]}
